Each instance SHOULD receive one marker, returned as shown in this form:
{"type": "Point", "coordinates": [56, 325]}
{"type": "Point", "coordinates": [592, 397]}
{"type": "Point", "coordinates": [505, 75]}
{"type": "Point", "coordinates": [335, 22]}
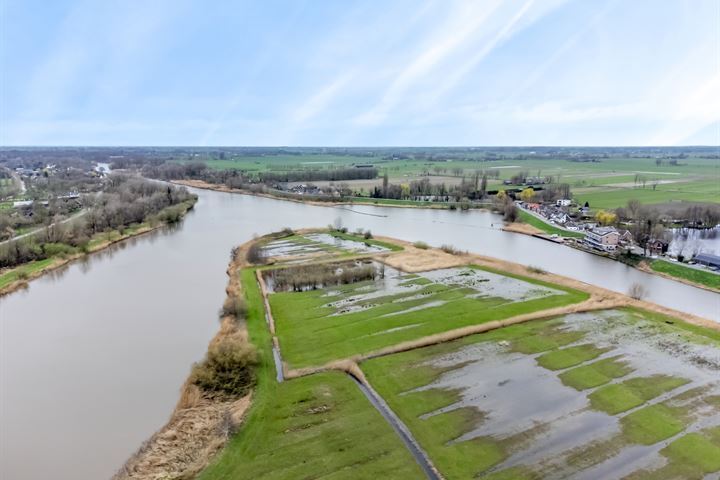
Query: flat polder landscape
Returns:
{"type": "Point", "coordinates": [323, 240]}
{"type": "Point", "coordinates": [577, 382]}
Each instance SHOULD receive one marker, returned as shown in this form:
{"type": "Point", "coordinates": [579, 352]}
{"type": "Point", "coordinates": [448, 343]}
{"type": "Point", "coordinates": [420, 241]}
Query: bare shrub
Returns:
{"type": "Point", "coordinates": [451, 250]}
{"type": "Point", "coordinates": [228, 367]}
{"type": "Point", "coordinates": [421, 245]}
{"type": "Point", "coordinates": [234, 307]}
{"type": "Point", "coordinates": [367, 235]}
{"type": "Point", "coordinates": [23, 275]}
{"type": "Point", "coordinates": [255, 254]}
{"type": "Point", "coordinates": [536, 269]}
{"type": "Point", "coordinates": [510, 212]}
{"type": "Point", "coordinates": [317, 276]}
{"type": "Point", "coordinates": [637, 291]}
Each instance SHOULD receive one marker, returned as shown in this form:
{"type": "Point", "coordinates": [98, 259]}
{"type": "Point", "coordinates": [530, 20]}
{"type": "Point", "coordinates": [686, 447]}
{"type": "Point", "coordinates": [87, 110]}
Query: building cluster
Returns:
{"type": "Point", "coordinates": [559, 214]}
{"type": "Point", "coordinates": [24, 172]}
{"type": "Point", "coordinates": [597, 237]}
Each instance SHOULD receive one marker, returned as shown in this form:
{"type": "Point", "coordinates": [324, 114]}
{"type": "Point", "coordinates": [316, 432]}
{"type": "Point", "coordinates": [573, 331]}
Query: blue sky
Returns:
{"type": "Point", "coordinates": [327, 72]}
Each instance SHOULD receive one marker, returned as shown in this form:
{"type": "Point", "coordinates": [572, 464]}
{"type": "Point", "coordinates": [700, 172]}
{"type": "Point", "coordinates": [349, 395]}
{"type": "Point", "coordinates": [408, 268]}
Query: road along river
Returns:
{"type": "Point", "coordinates": [92, 358]}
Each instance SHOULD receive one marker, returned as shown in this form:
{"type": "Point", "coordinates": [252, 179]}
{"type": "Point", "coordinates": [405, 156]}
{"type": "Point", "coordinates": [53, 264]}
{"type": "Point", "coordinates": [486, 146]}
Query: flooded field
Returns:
{"type": "Point", "coordinates": [321, 324]}
{"type": "Point", "coordinates": [609, 394]}
{"type": "Point", "coordinates": [304, 246]}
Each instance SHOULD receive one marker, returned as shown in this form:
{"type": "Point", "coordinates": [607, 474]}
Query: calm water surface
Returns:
{"type": "Point", "coordinates": [93, 357]}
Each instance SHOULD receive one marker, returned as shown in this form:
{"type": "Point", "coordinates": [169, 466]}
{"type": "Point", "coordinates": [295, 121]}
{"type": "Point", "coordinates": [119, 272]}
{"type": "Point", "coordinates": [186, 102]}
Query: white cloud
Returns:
{"type": "Point", "coordinates": [451, 35]}
{"type": "Point", "coordinates": [321, 99]}
{"type": "Point", "coordinates": [690, 112]}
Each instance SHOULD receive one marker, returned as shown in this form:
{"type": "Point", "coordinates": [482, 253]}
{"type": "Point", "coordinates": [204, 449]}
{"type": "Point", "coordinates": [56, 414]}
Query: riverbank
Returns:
{"type": "Point", "coordinates": [202, 422]}
{"type": "Point", "coordinates": [677, 273]}
{"type": "Point", "coordinates": [530, 225]}
{"type": "Point", "coordinates": [376, 202]}
{"type": "Point", "coordinates": [17, 278]}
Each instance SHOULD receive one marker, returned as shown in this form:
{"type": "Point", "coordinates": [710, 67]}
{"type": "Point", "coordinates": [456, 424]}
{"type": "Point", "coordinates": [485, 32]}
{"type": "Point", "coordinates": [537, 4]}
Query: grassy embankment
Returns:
{"type": "Point", "coordinates": [709, 279]}
{"type": "Point", "coordinates": [396, 378]}
{"type": "Point", "coordinates": [312, 334]}
{"type": "Point", "coordinates": [317, 426]}
{"type": "Point", "coordinates": [14, 277]}
{"type": "Point", "coordinates": [546, 227]}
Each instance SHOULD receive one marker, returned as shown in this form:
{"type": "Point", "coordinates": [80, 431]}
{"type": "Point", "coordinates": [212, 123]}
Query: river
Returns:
{"type": "Point", "coordinates": [92, 358]}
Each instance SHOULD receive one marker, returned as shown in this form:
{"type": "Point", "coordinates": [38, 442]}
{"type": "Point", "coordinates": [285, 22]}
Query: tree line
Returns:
{"type": "Point", "coordinates": [125, 201]}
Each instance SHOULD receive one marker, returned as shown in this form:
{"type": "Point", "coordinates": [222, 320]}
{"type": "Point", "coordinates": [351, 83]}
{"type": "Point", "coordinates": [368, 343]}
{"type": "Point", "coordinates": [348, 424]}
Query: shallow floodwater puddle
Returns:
{"type": "Point", "coordinates": [349, 245]}
{"type": "Point", "coordinates": [489, 284]}
{"type": "Point", "coordinates": [396, 329]}
{"type": "Point", "coordinates": [394, 283]}
{"type": "Point", "coordinates": [435, 303]}
{"type": "Point", "coordinates": [513, 392]}
{"type": "Point", "coordinates": [288, 248]}
{"type": "Point", "coordinates": [541, 422]}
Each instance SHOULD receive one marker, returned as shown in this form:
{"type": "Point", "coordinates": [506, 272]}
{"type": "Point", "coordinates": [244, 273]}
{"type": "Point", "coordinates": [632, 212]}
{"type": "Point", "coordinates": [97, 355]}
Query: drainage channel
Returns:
{"type": "Point", "coordinates": [400, 428]}
{"type": "Point", "coordinates": [376, 400]}
{"type": "Point", "coordinates": [279, 376]}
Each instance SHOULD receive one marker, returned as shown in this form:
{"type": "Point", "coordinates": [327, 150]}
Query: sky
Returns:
{"type": "Point", "coordinates": [360, 73]}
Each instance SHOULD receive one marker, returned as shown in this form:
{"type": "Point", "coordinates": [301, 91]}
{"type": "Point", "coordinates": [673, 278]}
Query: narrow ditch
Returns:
{"type": "Point", "coordinates": [400, 428]}
{"type": "Point", "coordinates": [375, 400]}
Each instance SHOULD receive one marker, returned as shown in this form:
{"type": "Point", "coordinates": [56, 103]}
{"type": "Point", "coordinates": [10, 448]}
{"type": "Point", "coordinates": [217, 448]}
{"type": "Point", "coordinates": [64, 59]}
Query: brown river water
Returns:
{"type": "Point", "coordinates": [92, 358]}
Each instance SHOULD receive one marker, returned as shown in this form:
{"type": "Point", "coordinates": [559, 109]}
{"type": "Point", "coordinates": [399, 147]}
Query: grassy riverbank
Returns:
{"type": "Point", "coordinates": [12, 279]}
{"type": "Point", "coordinates": [694, 275]}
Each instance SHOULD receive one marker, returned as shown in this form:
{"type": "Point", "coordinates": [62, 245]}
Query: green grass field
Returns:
{"type": "Point", "coordinates": [317, 426]}
{"type": "Point", "coordinates": [609, 183]}
{"type": "Point", "coordinates": [708, 279]}
{"type": "Point", "coordinates": [311, 332]}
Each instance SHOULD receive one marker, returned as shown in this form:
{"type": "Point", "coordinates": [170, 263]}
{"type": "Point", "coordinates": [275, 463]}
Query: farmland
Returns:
{"type": "Point", "coordinates": [608, 183]}
{"type": "Point", "coordinates": [582, 391]}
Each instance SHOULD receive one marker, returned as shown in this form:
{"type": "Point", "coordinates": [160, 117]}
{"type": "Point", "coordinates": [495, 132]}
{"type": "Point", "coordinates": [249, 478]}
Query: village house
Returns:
{"type": "Point", "coordinates": [656, 246]}
{"type": "Point", "coordinates": [563, 202]}
{"type": "Point", "coordinates": [602, 238]}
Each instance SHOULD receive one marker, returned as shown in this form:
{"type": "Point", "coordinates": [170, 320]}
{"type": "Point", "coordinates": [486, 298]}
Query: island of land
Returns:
{"type": "Point", "coordinates": [341, 352]}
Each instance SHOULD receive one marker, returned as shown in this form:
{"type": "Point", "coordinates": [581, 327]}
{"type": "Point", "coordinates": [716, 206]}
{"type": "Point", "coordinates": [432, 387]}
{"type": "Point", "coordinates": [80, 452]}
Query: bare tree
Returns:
{"type": "Point", "coordinates": [637, 291]}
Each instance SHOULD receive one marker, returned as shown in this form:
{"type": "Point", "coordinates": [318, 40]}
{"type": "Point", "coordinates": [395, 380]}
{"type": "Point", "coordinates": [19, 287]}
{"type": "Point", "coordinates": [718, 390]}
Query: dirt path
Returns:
{"type": "Point", "coordinates": [40, 229]}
